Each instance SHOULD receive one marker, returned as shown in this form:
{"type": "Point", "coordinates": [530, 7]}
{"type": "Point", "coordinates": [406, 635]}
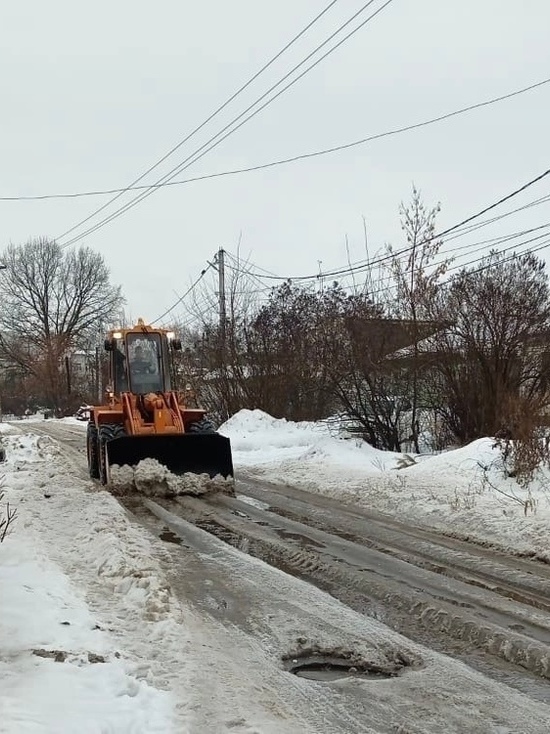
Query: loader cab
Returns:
{"type": "Point", "coordinates": [140, 363]}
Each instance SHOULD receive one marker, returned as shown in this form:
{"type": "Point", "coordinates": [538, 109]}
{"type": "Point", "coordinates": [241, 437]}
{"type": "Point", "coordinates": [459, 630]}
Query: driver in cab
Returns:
{"type": "Point", "coordinates": [141, 363]}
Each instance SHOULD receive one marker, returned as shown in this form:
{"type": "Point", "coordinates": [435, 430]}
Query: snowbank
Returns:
{"type": "Point", "coordinates": [257, 438]}
{"type": "Point", "coordinates": [463, 492]}
{"type": "Point", "coordinates": [60, 668]}
{"type": "Point", "coordinates": [5, 428]}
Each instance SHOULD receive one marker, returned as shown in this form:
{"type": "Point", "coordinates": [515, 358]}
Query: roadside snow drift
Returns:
{"type": "Point", "coordinates": [60, 669]}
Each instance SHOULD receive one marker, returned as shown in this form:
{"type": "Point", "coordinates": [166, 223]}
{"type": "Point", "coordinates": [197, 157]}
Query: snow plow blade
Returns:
{"type": "Point", "coordinates": [196, 453]}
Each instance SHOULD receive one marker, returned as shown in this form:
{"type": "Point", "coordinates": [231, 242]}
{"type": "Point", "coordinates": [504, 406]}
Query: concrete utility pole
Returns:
{"type": "Point", "coordinates": [221, 286]}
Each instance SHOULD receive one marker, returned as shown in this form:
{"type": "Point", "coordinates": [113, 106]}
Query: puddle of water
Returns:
{"type": "Point", "coordinates": [331, 670]}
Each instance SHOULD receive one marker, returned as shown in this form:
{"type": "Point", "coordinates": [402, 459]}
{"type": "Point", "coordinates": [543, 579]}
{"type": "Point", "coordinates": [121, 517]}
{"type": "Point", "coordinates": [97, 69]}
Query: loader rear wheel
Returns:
{"type": "Point", "coordinates": [92, 449]}
{"type": "Point", "coordinates": [107, 432]}
{"type": "Point", "coordinates": [203, 426]}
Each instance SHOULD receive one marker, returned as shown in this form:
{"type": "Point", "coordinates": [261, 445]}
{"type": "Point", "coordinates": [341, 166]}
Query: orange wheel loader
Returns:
{"type": "Point", "coordinates": [144, 417]}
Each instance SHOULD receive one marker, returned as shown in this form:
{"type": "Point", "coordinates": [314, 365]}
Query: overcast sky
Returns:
{"type": "Point", "coordinates": [94, 94]}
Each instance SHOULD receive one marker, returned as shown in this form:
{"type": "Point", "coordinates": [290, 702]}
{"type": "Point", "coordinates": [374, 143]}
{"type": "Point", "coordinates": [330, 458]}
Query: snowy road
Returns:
{"type": "Point", "coordinates": [243, 622]}
{"type": "Point", "coordinates": [495, 607]}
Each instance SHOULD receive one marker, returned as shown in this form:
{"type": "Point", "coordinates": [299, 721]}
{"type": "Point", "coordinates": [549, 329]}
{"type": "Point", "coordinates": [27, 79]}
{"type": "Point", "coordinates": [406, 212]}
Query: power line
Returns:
{"type": "Point", "coordinates": [281, 161]}
{"type": "Point", "coordinates": [181, 298]}
{"type": "Point", "coordinates": [529, 250]}
{"type": "Point", "coordinates": [197, 314]}
{"type": "Point", "coordinates": [393, 286]}
{"type": "Point", "coordinates": [194, 157]}
{"type": "Point", "coordinates": [208, 119]}
{"type": "Point", "coordinates": [481, 246]}
{"type": "Point", "coordinates": [260, 277]}
{"type": "Point", "coordinates": [479, 225]}
{"type": "Point", "coordinates": [369, 263]}
{"type": "Point", "coordinates": [204, 302]}
{"type": "Point", "coordinates": [513, 256]}
{"type": "Point", "coordinates": [237, 267]}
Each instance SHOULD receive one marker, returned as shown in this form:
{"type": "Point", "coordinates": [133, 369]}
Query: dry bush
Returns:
{"type": "Point", "coordinates": [523, 441]}
{"type": "Point", "coordinates": [7, 516]}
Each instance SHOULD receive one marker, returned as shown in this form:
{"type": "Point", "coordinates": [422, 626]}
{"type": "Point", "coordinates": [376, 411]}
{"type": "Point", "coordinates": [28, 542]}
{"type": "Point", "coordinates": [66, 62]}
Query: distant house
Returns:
{"type": "Point", "coordinates": [80, 361]}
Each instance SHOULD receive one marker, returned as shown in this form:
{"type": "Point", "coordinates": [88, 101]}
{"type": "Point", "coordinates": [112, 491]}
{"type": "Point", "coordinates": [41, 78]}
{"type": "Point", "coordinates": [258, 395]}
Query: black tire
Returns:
{"type": "Point", "coordinates": [92, 449]}
{"type": "Point", "coordinates": [203, 426]}
{"type": "Point", "coordinates": [107, 432]}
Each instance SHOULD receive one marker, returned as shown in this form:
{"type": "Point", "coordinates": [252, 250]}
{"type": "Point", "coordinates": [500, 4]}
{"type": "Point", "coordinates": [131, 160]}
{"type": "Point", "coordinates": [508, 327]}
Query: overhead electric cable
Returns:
{"type": "Point", "coordinates": [393, 286]}
{"type": "Point", "coordinates": [197, 155]}
{"type": "Point", "coordinates": [209, 118]}
{"type": "Point", "coordinates": [279, 162]}
{"type": "Point", "coordinates": [181, 298]}
{"type": "Point", "coordinates": [472, 248]}
{"type": "Point", "coordinates": [439, 235]}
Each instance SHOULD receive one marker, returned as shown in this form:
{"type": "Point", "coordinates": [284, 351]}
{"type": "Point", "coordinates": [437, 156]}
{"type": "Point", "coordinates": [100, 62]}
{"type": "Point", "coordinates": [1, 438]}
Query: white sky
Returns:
{"type": "Point", "coordinates": [93, 95]}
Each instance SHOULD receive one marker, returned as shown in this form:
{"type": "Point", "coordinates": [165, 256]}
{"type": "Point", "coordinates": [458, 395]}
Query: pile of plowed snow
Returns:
{"type": "Point", "coordinates": [153, 479]}
{"type": "Point", "coordinates": [259, 439]}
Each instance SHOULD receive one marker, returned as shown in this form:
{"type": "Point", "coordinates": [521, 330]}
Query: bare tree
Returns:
{"type": "Point", "coordinates": [416, 281]}
{"type": "Point", "coordinates": [52, 300]}
{"type": "Point", "coordinates": [494, 359]}
{"type": "Point", "coordinates": [289, 343]}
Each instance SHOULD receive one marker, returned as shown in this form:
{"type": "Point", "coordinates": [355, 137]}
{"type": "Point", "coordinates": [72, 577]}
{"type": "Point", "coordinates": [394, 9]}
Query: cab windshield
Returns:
{"type": "Point", "coordinates": [144, 359]}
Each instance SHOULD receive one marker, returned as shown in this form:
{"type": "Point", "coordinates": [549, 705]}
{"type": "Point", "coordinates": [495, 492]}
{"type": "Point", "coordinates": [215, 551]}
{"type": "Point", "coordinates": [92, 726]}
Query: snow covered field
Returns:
{"type": "Point", "coordinates": [462, 492]}
{"type": "Point", "coordinates": [96, 637]}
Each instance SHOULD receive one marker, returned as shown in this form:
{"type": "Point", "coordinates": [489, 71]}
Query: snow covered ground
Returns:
{"type": "Point", "coordinates": [60, 668]}
{"type": "Point", "coordinates": [463, 492]}
{"type": "Point", "coordinates": [97, 636]}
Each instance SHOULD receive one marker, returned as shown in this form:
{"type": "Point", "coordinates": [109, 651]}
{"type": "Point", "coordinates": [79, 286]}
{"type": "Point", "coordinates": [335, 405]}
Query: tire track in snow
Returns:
{"type": "Point", "coordinates": [406, 594]}
{"type": "Point", "coordinates": [526, 581]}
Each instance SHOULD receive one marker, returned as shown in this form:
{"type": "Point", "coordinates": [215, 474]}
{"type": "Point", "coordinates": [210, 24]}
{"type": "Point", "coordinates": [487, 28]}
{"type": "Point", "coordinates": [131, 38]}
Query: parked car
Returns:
{"type": "Point", "coordinates": [83, 413]}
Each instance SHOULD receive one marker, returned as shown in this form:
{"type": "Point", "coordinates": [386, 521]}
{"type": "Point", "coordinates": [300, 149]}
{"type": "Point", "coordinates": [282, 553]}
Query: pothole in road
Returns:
{"type": "Point", "coordinates": [329, 670]}
{"type": "Point", "coordinates": [327, 667]}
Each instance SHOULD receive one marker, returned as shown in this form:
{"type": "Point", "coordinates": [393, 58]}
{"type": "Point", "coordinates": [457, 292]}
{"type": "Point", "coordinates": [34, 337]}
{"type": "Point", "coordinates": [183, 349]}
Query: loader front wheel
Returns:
{"type": "Point", "coordinates": [107, 432]}
{"type": "Point", "coordinates": [92, 449]}
{"type": "Point", "coordinates": [203, 426]}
